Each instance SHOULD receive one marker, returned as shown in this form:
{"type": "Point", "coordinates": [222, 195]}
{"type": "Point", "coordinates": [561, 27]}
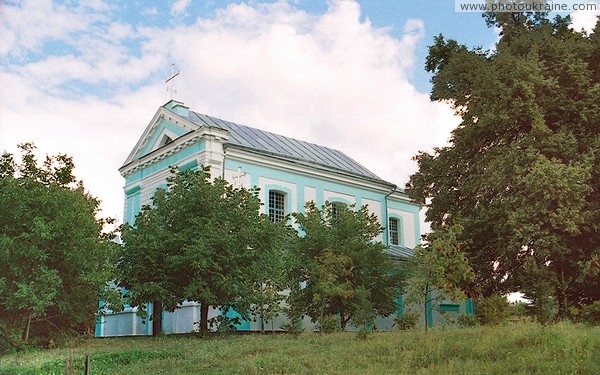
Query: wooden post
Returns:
{"type": "Point", "coordinates": [69, 365]}
{"type": "Point", "coordinates": [87, 365]}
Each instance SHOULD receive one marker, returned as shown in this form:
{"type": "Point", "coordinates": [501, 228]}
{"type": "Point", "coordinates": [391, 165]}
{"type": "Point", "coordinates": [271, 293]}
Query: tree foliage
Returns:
{"type": "Point", "coordinates": [346, 273]}
{"type": "Point", "coordinates": [54, 256]}
{"type": "Point", "coordinates": [438, 270]}
{"type": "Point", "coordinates": [522, 171]}
{"type": "Point", "coordinates": [200, 241]}
{"type": "Point", "coordinates": [492, 310]}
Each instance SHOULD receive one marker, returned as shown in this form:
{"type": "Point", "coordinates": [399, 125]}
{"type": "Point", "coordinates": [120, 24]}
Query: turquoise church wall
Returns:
{"type": "Point", "coordinates": [165, 163]}
{"type": "Point", "coordinates": [295, 183]}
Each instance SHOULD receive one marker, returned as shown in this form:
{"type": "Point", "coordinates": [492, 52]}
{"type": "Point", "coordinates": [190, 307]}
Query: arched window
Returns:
{"type": "Point", "coordinates": [336, 209]}
{"type": "Point", "coordinates": [393, 231]}
{"type": "Point", "coordinates": [276, 205]}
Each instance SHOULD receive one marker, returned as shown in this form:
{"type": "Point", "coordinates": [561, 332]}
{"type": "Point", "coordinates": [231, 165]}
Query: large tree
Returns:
{"type": "Point", "coordinates": [54, 256]}
{"type": "Point", "coordinates": [344, 269]}
{"type": "Point", "coordinates": [199, 241]}
{"type": "Point", "coordinates": [522, 171]}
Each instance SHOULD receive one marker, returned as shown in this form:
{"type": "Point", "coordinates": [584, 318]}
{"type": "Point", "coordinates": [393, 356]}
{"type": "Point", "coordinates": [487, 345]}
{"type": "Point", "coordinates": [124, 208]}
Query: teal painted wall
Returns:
{"type": "Point", "coordinates": [132, 203]}
{"type": "Point", "coordinates": [470, 307]}
{"type": "Point", "coordinates": [164, 124]}
{"type": "Point", "coordinates": [256, 171]}
{"type": "Point", "coordinates": [414, 209]}
{"type": "Point", "coordinates": [173, 159]}
{"type": "Point", "coordinates": [301, 181]}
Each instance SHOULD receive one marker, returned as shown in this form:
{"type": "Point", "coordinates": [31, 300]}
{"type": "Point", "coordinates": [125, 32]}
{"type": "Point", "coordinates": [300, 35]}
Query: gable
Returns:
{"type": "Point", "coordinates": [164, 128]}
{"type": "Point", "coordinates": [162, 134]}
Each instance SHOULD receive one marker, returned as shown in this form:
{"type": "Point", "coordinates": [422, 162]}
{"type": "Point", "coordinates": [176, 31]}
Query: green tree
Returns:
{"type": "Point", "coordinates": [54, 256]}
{"type": "Point", "coordinates": [492, 310]}
{"type": "Point", "coordinates": [522, 171]}
{"type": "Point", "coordinates": [199, 241]}
{"type": "Point", "coordinates": [438, 271]}
{"type": "Point", "coordinates": [346, 273]}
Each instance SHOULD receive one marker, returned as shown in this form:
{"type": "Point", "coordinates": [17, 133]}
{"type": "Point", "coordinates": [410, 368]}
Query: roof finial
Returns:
{"type": "Point", "coordinates": [174, 74]}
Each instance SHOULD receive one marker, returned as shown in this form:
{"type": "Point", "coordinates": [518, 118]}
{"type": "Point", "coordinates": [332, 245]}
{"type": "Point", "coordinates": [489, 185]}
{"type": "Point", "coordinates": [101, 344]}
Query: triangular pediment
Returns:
{"type": "Point", "coordinates": [164, 128]}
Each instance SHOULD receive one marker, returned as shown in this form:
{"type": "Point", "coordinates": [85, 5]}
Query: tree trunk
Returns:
{"type": "Point", "coordinates": [562, 303]}
{"type": "Point", "coordinates": [204, 317]}
{"type": "Point", "coordinates": [561, 296]}
{"type": "Point", "coordinates": [156, 318]}
{"type": "Point", "coordinates": [27, 327]}
{"type": "Point", "coordinates": [426, 309]}
{"type": "Point", "coordinates": [343, 320]}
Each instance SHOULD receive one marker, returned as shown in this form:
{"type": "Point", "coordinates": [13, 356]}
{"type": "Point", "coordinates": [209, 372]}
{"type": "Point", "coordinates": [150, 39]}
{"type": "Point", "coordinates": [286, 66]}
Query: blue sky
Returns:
{"type": "Point", "coordinates": [85, 77]}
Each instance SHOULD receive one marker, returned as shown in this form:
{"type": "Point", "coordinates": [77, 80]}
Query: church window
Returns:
{"type": "Point", "coordinates": [276, 206]}
{"type": "Point", "coordinates": [393, 230]}
{"type": "Point", "coordinates": [336, 209]}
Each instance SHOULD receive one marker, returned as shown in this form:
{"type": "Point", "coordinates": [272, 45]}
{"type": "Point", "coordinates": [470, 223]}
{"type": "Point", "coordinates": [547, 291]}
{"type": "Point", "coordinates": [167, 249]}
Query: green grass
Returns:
{"type": "Point", "coordinates": [512, 349]}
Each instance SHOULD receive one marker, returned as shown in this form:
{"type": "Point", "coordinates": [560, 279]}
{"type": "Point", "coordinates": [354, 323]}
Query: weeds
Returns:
{"type": "Point", "coordinates": [510, 348]}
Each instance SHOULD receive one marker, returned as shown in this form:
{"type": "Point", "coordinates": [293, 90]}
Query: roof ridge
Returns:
{"type": "Point", "coordinates": [268, 131]}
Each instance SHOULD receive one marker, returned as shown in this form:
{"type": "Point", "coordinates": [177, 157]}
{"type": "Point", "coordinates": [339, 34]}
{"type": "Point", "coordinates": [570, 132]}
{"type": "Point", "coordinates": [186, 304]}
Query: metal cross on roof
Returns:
{"type": "Point", "coordinates": [237, 180]}
{"type": "Point", "coordinates": [174, 75]}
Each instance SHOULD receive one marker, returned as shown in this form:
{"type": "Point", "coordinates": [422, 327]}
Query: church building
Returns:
{"type": "Point", "coordinates": [289, 173]}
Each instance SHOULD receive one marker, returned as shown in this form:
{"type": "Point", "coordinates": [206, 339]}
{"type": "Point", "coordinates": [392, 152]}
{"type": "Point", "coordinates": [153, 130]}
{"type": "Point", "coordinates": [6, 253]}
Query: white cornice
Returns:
{"type": "Point", "coordinates": [195, 134]}
{"type": "Point", "coordinates": [284, 164]}
{"type": "Point", "coordinates": [161, 113]}
{"type": "Point", "coordinates": [159, 154]}
{"type": "Point", "coordinates": [177, 145]}
{"type": "Point", "coordinates": [400, 195]}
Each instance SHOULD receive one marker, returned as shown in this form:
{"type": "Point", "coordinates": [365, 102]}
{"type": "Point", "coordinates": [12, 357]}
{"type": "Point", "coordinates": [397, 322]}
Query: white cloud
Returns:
{"type": "Point", "coordinates": [331, 79]}
{"type": "Point", "coordinates": [30, 23]}
{"type": "Point", "coordinates": [153, 11]}
{"type": "Point", "coordinates": [180, 6]}
{"type": "Point", "coordinates": [585, 19]}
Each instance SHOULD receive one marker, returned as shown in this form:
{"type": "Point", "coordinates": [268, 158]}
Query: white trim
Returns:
{"type": "Point", "coordinates": [274, 161]}
{"type": "Point", "coordinates": [165, 133]}
{"type": "Point", "coordinates": [161, 113]}
{"type": "Point", "coordinates": [178, 144]}
{"type": "Point", "coordinates": [282, 164]}
{"type": "Point", "coordinates": [337, 197]}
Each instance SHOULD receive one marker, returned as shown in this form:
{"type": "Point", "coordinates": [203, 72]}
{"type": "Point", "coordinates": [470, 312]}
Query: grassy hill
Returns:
{"type": "Point", "coordinates": [511, 349]}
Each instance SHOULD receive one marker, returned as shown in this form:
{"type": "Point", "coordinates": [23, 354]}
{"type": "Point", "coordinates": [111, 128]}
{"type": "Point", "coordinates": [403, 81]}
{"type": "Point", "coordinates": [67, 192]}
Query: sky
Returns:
{"type": "Point", "coordinates": [84, 78]}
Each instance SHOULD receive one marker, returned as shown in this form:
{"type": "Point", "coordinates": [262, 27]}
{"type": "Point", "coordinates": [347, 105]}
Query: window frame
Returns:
{"type": "Point", "coordinates": [336, 209]}
{"type": "Point", "coordinates": [394, 232]}
{"type": "Point", "coordinates": [277, 205]}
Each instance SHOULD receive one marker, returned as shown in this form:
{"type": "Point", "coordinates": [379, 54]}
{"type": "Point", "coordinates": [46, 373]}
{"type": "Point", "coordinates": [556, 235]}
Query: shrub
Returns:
{"type": "Point", "coordinates": [224, 324]}
{"type": "Point", "coordinates": [294, 327]}
{"type": "Point", "coordinates": [545, 310]}
{"type": "Point", "coordinates": [574, 313]}
{"type": "Point", "coordinates": [465, 320]}
{"type": "Point", "coordinates": [330, 324]}
{"type": "Point", "coordinates": [492, 310]}
{"type": "Point", "coordinates": [591, 314]}
{"type": "Point", "coordinates": [518, 309]}
{"type": "Point", "coordinates": [364, 316]}
{"type": "Point", "coordinates": [408, 320]}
